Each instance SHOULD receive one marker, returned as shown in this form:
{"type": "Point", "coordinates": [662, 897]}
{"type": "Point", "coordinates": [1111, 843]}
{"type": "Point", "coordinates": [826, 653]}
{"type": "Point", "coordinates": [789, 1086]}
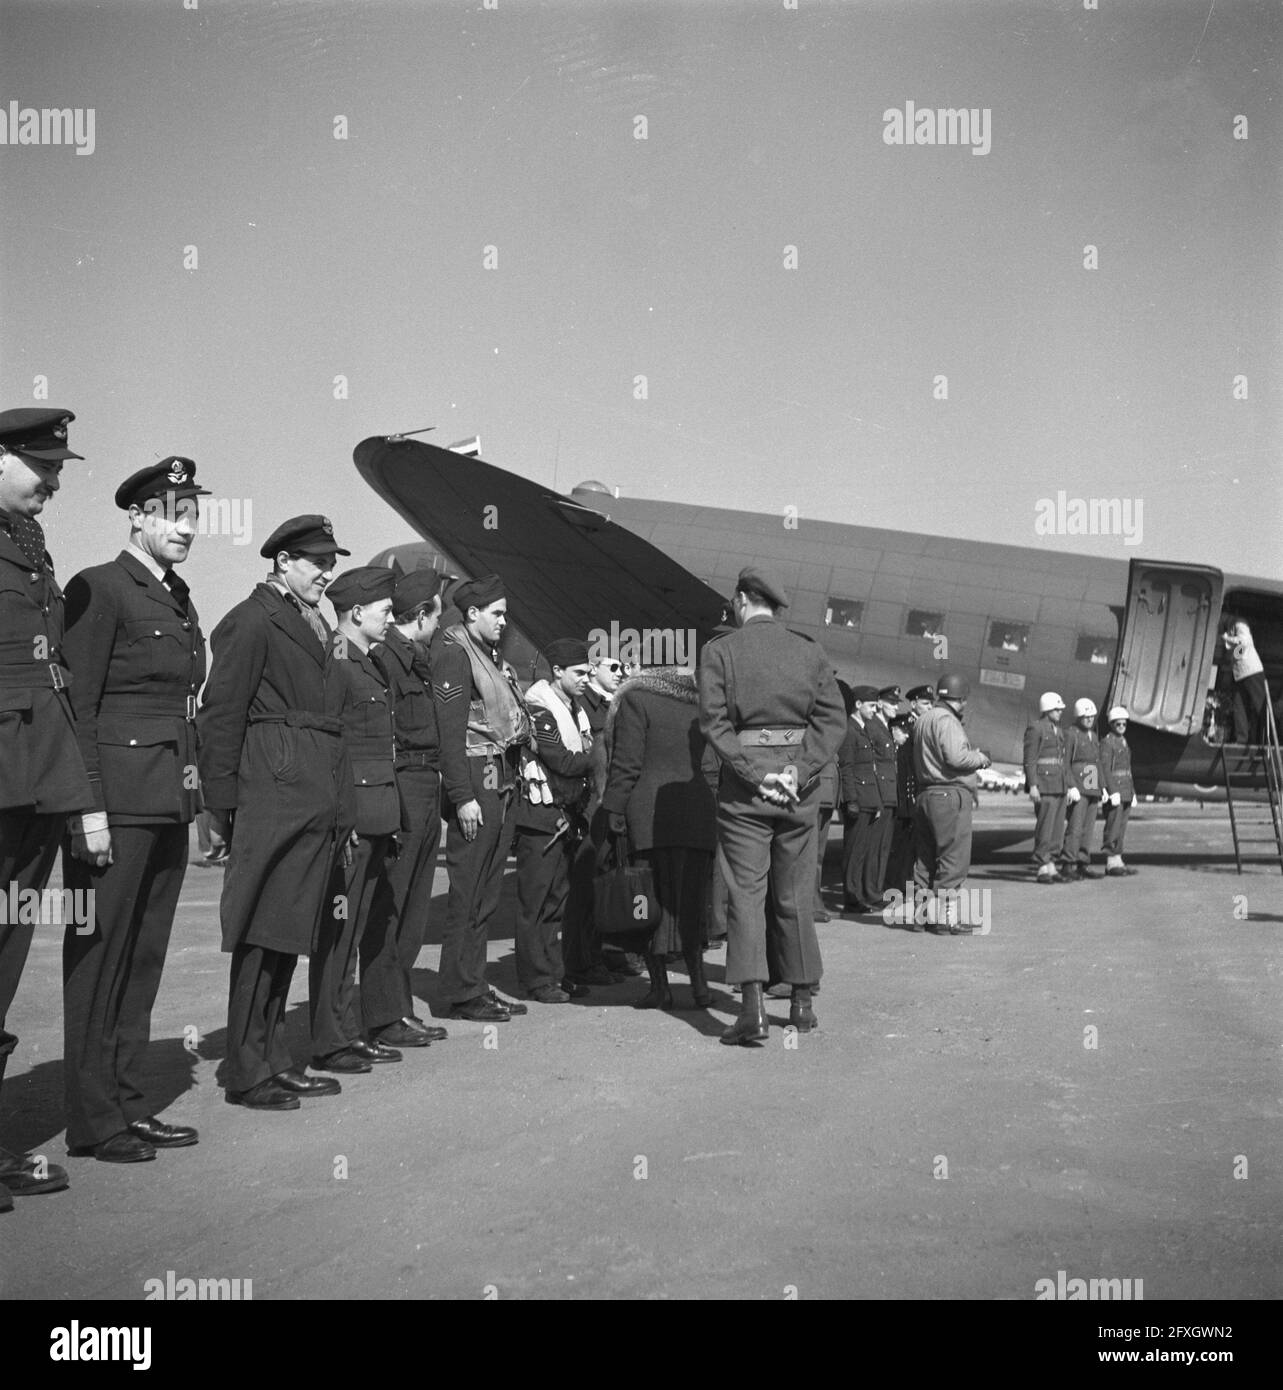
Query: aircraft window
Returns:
{"type": "Point", "coordinates": [843, 612]}
{"type": "Point", "coordinates": [1098, 650]}
{"type": "Point", "coordinates": [928, 625]}
{"type": "Point", "coordinates": [1008, 637]}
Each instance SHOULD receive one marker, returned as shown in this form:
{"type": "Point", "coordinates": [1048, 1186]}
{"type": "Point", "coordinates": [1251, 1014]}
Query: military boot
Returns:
{"type": "Point", "coordinates": [801, 1015]}
{"type": "Point", "coordinates": [752, 1025]}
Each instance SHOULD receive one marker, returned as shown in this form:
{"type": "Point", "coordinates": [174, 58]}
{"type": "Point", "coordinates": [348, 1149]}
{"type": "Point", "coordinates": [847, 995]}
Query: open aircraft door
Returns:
{"type": "Point", "coordinates": [1169, 636]}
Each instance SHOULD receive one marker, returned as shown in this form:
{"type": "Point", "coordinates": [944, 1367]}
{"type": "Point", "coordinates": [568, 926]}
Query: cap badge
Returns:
{"type": "Point", "coordinates": [60, 430]}
{"type": "Point", "coordinates": [178, 472]}
{"type": "Point", "coordinates": [327, 526]}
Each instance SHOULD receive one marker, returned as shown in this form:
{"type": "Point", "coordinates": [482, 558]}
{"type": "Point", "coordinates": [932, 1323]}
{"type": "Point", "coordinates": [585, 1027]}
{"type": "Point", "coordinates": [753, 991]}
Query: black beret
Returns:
{"type": "Point", "coordinates": [921, 692]}
{"type": "Point", "coordinates": [40, 432]}
{"type": "Point", "coordinates": [303, 535]}
{"type": "Point", "coordinates": [414, 590]}
{"type": "Point", "coordinates": [890, 693]}
{"type": "Point", "coordinates": [174, 476]}
{"type": "Point", "coordinates": [477, 593]}
{"type": "Point", "coordinates": [366, 584]}
{"type": "Point", "coordinates": [566, 651]}
{"type": "Point", "coordinates": [752, 578]}
{"type": "Point", "coordinates": [865, 692]}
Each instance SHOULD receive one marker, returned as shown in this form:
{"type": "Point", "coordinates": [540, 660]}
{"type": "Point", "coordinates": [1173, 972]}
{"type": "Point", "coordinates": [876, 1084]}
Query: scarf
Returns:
{"type": "Point", "coordinates": [573, 729]}
{"type": "Point", "coordinates": [308, 613]}
{"type": "Point", "coordinates": [502, 720]}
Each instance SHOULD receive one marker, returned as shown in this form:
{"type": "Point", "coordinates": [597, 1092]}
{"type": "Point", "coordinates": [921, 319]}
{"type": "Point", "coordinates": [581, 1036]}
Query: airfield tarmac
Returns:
{"type": "Point", "coordinates": [600, 1152]}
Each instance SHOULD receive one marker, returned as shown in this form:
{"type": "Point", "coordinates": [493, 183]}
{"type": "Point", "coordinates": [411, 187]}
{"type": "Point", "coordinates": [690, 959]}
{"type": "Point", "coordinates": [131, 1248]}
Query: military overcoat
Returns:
{"type": "Point", "coordinates": [271, 749]}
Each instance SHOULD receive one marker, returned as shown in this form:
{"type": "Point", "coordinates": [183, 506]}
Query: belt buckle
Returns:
{"type": "Point", "coordinates": [790, 735]}
{"type": "Point", "coordinates": [56, 672]}
{"type": "Point", "coordinates": [764, 737]}
{"type": "Point", "coordinates": [191, 709]}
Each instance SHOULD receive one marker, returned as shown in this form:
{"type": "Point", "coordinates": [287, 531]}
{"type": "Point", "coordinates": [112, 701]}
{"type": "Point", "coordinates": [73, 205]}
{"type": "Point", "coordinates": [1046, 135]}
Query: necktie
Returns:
{"type": "Point", "coordinates": [177, 587]}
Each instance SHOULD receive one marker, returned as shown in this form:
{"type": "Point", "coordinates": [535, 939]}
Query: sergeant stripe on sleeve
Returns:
{"type": "Point", "coordinates": [446, 691]}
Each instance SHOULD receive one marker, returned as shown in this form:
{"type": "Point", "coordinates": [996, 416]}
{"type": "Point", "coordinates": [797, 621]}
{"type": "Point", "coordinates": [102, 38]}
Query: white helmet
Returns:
{"type": "Point", "coordinates": [1050, 701]}
{"type": "Point", "coordinates": [1082, 708]}
{"type": "Point", "coordinates": [1118, 712]}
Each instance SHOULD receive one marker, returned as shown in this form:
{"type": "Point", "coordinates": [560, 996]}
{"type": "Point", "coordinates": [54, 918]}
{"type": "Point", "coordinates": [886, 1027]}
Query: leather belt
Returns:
{"type": "Point", "coordinates": [32, 675]}
{"type": "Point", "coordinates": [414, 757]}
{"type": "Point", "coordinates": [301, 719]}
{"type": "Point", "coordinates": [149, 705]}
{"type": "Point", "coordinates": [771, 738]}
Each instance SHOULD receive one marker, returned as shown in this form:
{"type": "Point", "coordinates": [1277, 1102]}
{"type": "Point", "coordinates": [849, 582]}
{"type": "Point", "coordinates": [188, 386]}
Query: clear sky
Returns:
{"type": "Point", "coordinates": [617, 257]}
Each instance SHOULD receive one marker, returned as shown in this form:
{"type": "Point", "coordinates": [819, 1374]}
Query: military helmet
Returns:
{"type": "Point", "coordinates": [1083, 708]}
{"type": "Point", "coordinates": [1118, 712]}
{"type": "Point", "coordinates": [953, 687]}
{"type": "Point", "coordinates": [1050, 701]}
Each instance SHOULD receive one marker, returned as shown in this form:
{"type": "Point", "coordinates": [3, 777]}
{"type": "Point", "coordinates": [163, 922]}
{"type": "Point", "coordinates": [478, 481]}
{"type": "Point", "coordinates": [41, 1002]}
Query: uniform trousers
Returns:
{"type": "Point", "coordinates": [1116, 827]}
{"type": "Point", "coordinates": [331, 969]}
{"type": "Point", "coordinates": [765, 848]}
{"type": "Point", "coordinates": [580, 944]}
{"type": "Point", "coordinates": [857, 841]}
{"type": "Point", "coordinates": [904, 850]}
{"type": "Point", "coordinates": [1078, 828]}
{"type": "Point", "coordinates": [543, 878]}
{"type": "Point", "coordinates": [943, 822]}
{"type": "Point", "coordinates": [111, 976]}
{"type": "Point", "coordinates": [28, 848]}
{"type": "Point", "coordinates": [823, 818]}
{"type": "Point", "coordinates": [877, 853]}
{"type": "Point", "coordinates": [259, 991]}
{"type": "Point", "coordinates": [1049, 826]}
{"type": "Point", "coordinates": [398, 920]}
{"type": "Point", "coordinates": [476, 881]}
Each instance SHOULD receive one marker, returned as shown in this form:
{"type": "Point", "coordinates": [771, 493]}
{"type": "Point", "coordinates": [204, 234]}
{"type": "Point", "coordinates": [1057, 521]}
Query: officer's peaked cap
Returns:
{"type": "Point", "coordinates": [174, 476]}
{"type": "Point", "coordinates": [303, 535]}
{"type": "Point", "coordinates": [39, 432]}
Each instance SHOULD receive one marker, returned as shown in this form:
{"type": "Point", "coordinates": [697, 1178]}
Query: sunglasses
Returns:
{"type": "Point", "coordinates": [613, 666]}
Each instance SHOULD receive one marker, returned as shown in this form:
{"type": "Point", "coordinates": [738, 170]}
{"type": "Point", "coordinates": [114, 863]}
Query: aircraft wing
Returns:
{"type": "Point", "coordinates": [568, 569]}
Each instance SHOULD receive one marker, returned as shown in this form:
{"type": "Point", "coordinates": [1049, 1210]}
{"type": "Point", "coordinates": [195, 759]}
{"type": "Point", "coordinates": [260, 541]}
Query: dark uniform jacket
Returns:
{"type": "Point", "coordinates": [364, 702]}
{"type": "Point", "coordinates": [271, 749]}
{"type": "Point", "coordinates": [567, 774]}
{"type": "Point", "coordinates": [1082, 752]}
{"type": "Point", "coordinates": [137, 657]}
{"type": "Point", "coordinates": [409, 676]}
{"type": "Point", "coordinates": [857, 760]}
{"type": "Point", "coordinates": [1116, 766]}
{"type": "Point", "coordinates": [906, 780]}
{"type": "Point", "coordinates": [1045, 757]}
{"type": "Point", "coordinates": [762, 676]}
{"type": "Point", "coordinates": [883, 760]}
{"type": "Point", "coordinates": [456, 696]}
{"type": "Point", "coordinates": [657, 777]}
{"type": "Point", "coordinates": [40, 762]}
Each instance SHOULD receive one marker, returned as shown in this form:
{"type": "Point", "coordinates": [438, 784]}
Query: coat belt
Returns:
{"type": "Point", "coordinates": [771, 738]}
{"type": "Point", "coordinates": [301, 719]}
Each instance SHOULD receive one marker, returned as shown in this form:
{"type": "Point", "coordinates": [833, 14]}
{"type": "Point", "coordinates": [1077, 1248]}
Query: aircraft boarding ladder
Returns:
{"type": "Point", "coordinates": [1256, 755]}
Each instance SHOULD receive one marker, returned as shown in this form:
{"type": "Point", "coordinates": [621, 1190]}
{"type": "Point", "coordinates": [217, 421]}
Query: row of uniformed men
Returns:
{"type": "Point", "coordinates": [332, 807]}
{"type": "Point", "coordinates": [1070, 773]}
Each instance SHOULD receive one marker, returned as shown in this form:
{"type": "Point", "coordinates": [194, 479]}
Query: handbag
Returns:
{"type": "Point", "coordinates": [623, 894]}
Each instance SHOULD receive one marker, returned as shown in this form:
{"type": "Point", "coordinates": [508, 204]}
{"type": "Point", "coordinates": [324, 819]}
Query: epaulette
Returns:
{"type": "Point", "coordinates": [806, 637]}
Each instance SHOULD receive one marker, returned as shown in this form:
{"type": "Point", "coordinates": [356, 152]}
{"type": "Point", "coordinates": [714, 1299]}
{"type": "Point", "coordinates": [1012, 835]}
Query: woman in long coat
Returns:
{"type": "Point", "coordinates": [656, 791]}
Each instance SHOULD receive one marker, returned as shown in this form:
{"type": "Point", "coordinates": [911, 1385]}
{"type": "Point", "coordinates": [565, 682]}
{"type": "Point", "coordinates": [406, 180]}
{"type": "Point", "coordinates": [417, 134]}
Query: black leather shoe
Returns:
{"type": "Point", "coordinates": [570, 987]}
{"type": "Point", "coordinates": [512, 1005]}
{"type": "Point", "coordinates": [752, 1026]}
{"type": "Point", "coordinates": [655, 999]}
{"type": "Point", "coordinates": [6, 1201]}
{"type": "Point", "coordinates": [120, 1148]}
{"type": "Point", "coordinates": [550, 994]}
{"type": "Point", "coordinates": [373, 1051]}
{"type": "Point", "coordinates": [623, 963]}
{"type": "Point", "coordinates": [20, 1176]}
{"type": "Point", "coordinates": [267, 1095]}
{"type": "Point", "coordinates": [480, 1010]}
{"type": "Point", "coordinates": [163, 1136]}
{"type": "Point", "coordinates": [1084, 872]}
{"type": "Point", "coordinates": [596, 975]}
{"type": "Point", "coordinates": [400, 1034]}
{"type": "Point", "coordinates": [297, 1082]}
{"type": "Point", "coordinates": [434, 1033]}
{"type": "Point", "coordinates": [801, 1014]}
{"type": "Point", "coordinates": [344, 1060]}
